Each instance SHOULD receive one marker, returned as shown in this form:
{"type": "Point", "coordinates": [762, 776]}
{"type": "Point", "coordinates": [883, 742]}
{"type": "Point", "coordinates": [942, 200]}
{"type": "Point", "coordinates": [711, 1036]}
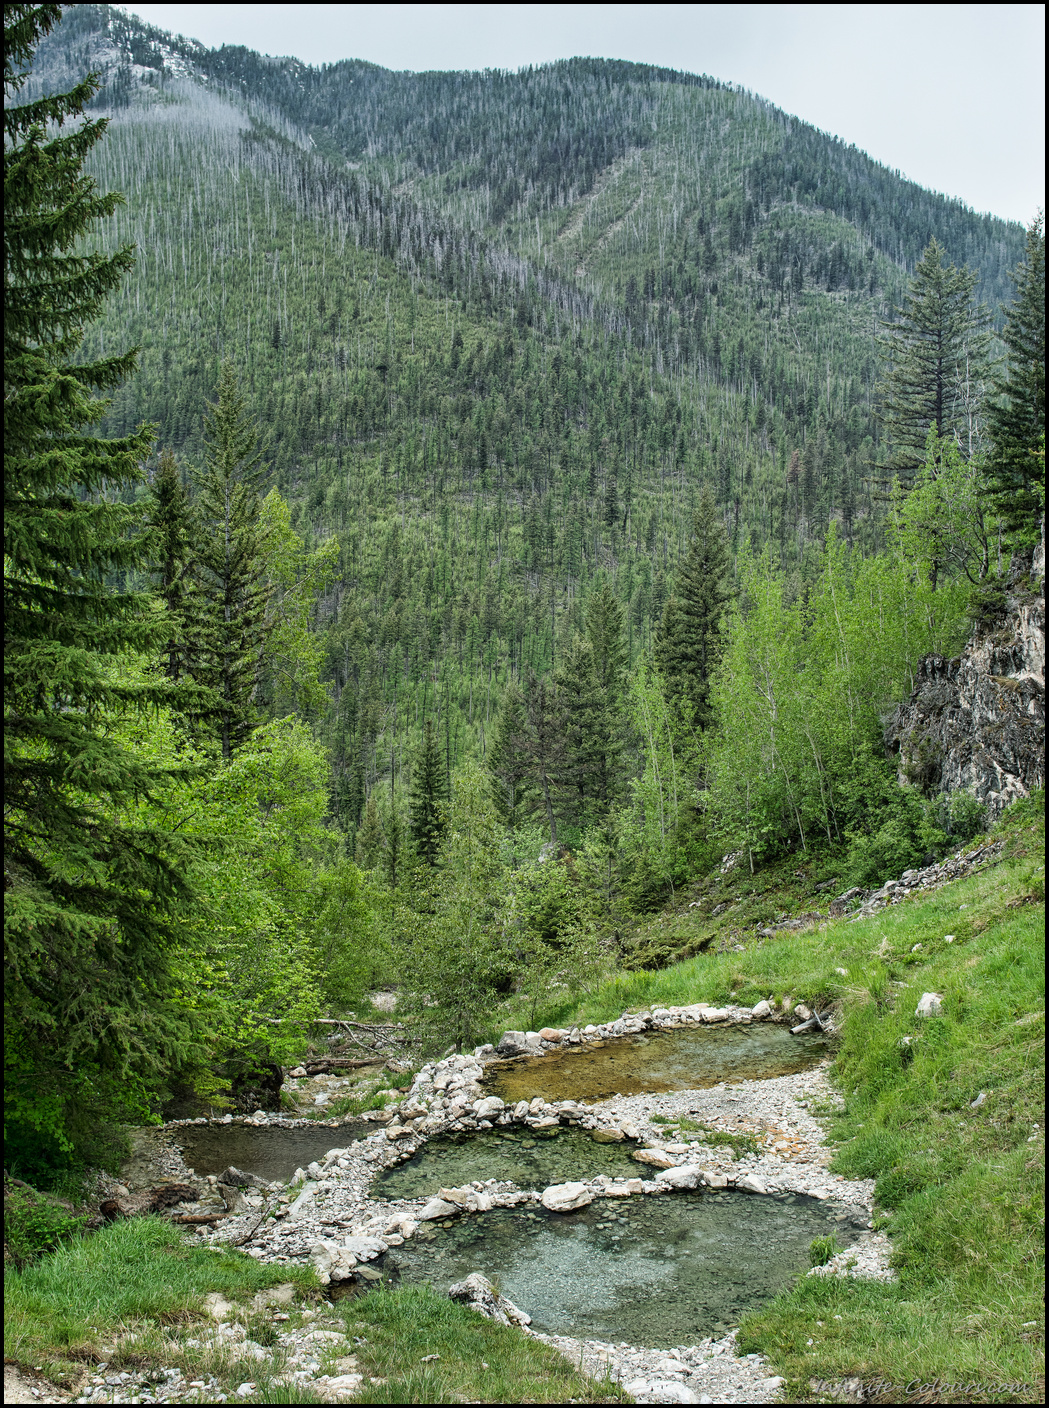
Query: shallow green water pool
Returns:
{"type": "Point", "coordinates": [686, 1058]}
{"type": "Point", "coordinates": [529, 1158]}
{"type": "Point", "coordinates": [660, 1270]}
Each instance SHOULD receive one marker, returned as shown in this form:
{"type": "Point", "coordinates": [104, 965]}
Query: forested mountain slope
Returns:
{"type": "Point", "coordinates": [499, 330]}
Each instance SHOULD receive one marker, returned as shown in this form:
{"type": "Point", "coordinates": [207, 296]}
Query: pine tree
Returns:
{"type": "Point", "coordinates": [935, 364]}
{"type": "Point", "coordinates": [576, 691]}
{"type": "Point", "coordinates": [545, 744]}
{"type": "Point", "coordinates": [89, 900]}
{"type": "Point", "coordinates": [604, 631]}
{"type": "Point", "coordinates": [370, 843]}
{"type": "Point", "coordinates": [589, 686]}
{"type": "Point", "coordinates": [428, 799]}
{"type": "Point", "coordinates": [170, 517]}
{"type": "Point", "coordinates": [690, 638]}
{"type": "Point", "coordinates": [1016, 418]}
{"type": "Point", "coordinates": [231, 551]}
{"type": "Point", "coordinates": [513, 790]}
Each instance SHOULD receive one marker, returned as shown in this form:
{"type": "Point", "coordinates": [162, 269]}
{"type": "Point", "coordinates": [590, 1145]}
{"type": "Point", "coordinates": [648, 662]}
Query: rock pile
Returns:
{"type": "Point", "coordinates": [861, 903]}
{"type": "Point", "coordinates": [708, 1372]}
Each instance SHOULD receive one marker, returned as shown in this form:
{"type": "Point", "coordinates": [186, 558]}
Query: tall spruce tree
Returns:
{"type": "Point", "coordinates": [370, 842]}
{"type": "Point", "coordinates": [428, 798]}
{"type": "Point", "coordinates": [231, 549]}
{"type": "Point", "coordinates": [544, 744]}
{"type": "Point", "coordinates": [89, 899]}
{"type": "Point", "coordinates": [579, 703]}
{"type": "Point", "coordinates": [1016, 418]}
{"type": "Point", "coordinates": [172, 551]}
{"type": "Point", "coordinates": [689, 641]}
{"type": "Point", "coordinates": [513, 790]}
{"type": "Point", "coordinates": [604, 631]}
{"type": "Point", "coordinates": [935, 364]}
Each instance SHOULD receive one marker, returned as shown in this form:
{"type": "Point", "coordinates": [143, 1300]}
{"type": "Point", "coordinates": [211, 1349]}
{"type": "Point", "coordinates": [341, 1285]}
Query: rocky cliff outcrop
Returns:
{"type": "Point", "coordinates": [977, 722]}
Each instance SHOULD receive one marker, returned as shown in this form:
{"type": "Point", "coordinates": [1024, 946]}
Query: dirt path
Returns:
{"type": "Point", "coordinates": [21, 1388]}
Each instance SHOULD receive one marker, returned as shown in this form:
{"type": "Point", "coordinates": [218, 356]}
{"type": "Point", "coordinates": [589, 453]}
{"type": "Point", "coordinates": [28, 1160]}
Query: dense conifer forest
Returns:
{"type": "Point", "coordinates": [527, 489]}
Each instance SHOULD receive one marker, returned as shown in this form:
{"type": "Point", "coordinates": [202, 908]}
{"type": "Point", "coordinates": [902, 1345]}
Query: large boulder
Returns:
{"type": "Point", "coordinates": [658, 1158]}
{"type": "Point", "coordinates": [436, 1209]}
{"type": "Point", "coordinates": [479, 1294]}
{"type": "Point", "coordinates": [517, 1044]}
{"type": "Point", "coordinates": [751, 1183]}
{"type": "Point", "coordinates": [684, 1176]}
{"type": "Point", "coordinates": [566, 1197]}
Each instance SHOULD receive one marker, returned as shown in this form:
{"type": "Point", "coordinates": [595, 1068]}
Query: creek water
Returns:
{"type": "Point", "coordinates": [686, 1058]}
{"type": "Point", "coordinates": [269, 1151]}
{"type": "Point", "coordinates": [530, 1158]}
{"type": "Point", "coordinates": [657, 1271]}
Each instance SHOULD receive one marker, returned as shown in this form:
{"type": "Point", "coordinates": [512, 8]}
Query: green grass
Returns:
{"type": "Point", "coordinates": [132, 1297]}
{"type": "Point", "coordinates": [681, 1126]}
{"type": "Point", "coordinates": [68, 1309]}
{"type": "Point", "coordinates": [374, 1097]}
{"type": "Point", "coordinates": [480, 1361]}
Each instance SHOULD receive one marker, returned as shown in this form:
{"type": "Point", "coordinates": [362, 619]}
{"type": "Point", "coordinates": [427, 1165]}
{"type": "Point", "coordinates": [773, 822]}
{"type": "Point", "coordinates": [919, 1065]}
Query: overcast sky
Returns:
{"type": "Point", "coordinates": [952, 95]}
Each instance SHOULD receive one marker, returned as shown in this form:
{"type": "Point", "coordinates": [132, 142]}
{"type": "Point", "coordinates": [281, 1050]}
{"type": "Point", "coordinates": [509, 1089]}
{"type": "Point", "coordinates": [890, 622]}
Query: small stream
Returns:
{"type": "Point", "coordinates": [653, 1271]}
{"type": "Point", "coordinates": [685, 1058]}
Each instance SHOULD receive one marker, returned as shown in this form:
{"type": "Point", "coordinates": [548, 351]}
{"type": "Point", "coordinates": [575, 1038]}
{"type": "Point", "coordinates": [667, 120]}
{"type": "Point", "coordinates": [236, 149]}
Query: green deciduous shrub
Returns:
{"type": "Point", "coordinates": [34, 1225]}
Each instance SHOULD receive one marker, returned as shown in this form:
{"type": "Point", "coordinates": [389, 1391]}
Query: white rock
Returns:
{"type": "Point", "coordinates": [714, 1180]}
{"type": "Point", "coordinates": [344, 1383]}
{"type": "Point", "coordinates": [751, 1183]}
{"type": "Point", "coordinates": [802, 1012]}
{"type": "Point", "coordinates": [485, 1109]}
{"type": "Point", "coordinates": [657, 1158]}
{"type": "Point", "coordinates": [774, 1382]}
{"type": "Point", "coordinates": [564, 1197]}
{"type": "Point", "coordinates": [437, 1208]}
{"type": "Point", "coordinates": [715, 1014]}
{"type": "Point", "coordinates": [761, 1009]}
{"type": "Point", "coordinates": [670, 1392]}
{"type": "Point", "coordinates": [364, 1248]}
{"type": "Point", "coordinates": [930, 1004]}
{"type": "Point", "coordinates": [687, 1176]}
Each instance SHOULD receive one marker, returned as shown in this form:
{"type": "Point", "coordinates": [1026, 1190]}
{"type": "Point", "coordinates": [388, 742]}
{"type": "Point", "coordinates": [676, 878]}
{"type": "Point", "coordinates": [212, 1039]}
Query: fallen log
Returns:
{"type": "Point", "coordinates": [197, 1218]}
{"type": "Point", "coordinates": [321, 1064]}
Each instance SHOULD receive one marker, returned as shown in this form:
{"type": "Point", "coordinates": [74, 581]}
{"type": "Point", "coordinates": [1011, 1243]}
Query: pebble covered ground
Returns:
{"type": "Point", "coordinates": [328, 1217]}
